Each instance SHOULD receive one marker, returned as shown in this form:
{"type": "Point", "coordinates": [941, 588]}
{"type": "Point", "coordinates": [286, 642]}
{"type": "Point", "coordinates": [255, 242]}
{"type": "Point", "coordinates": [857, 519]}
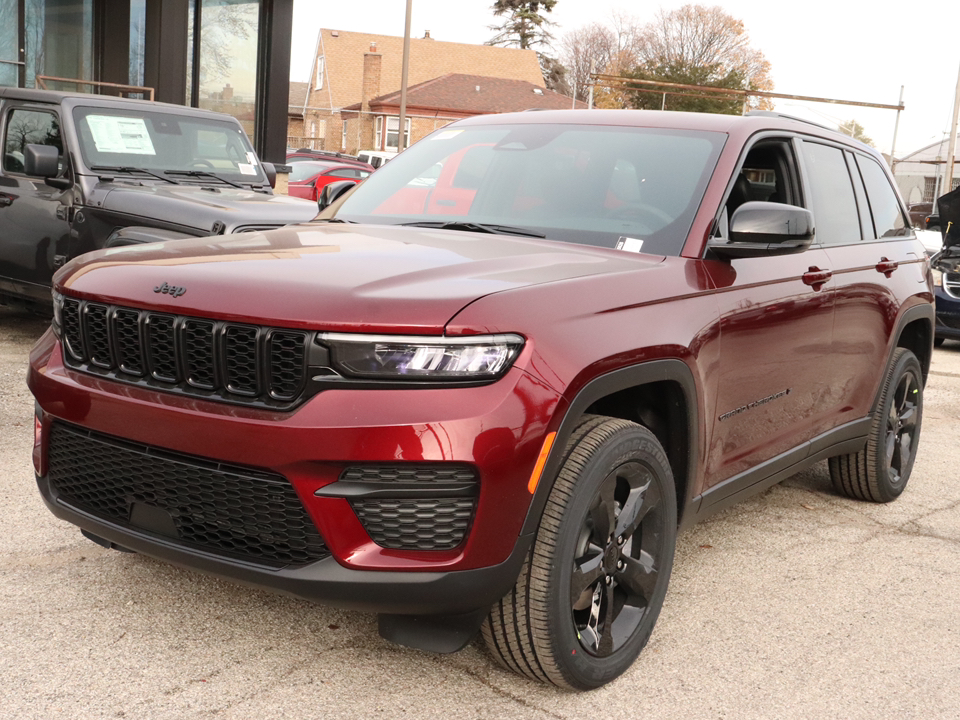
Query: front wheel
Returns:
{"type": "Point", "coordinates": [593, 584]}
{"type": "Point", "coordinates": [881, 470]}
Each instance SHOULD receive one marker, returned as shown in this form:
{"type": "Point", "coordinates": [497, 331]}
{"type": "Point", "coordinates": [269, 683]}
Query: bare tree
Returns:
{"type": "Point", "coordinates": [578, 48]}
{"type": "Point", "coordinates": [707, 45]}
{"type": "Point", "coordinates": [221, 30]}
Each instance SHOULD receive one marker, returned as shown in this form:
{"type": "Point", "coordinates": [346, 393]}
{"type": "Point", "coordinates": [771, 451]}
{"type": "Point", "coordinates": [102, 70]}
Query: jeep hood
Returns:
{"type": "Point", "coordinates": [198, 207]}
{"type": "Point", "coordinates": [367, 278]}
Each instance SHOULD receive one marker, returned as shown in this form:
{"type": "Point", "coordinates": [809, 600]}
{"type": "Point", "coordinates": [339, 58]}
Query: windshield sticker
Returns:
{"type": "Point", "coordinates": [446, 134]}
{"type": "Point", "coordinates": [629, 244]}
{"type": "Point", "coordinates": [112, 134]}
{"type": "Point", "coordinates": [252, 159]}
{"type": "Point", "coordinates": [246, 169]}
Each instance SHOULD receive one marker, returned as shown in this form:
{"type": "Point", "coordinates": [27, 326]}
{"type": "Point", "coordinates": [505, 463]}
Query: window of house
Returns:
{"type": "Point", "coordinates": [393, 126]}
{"type": "Point", "coordinates": [318, 83]}
{"type": "Point", "coordinates": [343, 136]}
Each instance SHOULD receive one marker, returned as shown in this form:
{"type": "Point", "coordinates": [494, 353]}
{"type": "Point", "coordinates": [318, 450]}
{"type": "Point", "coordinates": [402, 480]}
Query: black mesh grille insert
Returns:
{"type": "Point", "coordinates": [161, 344]}
{"type": "Point", "coordinates": [410, 473]}
{"type": "Point", "coordinates": [287, 351]}
{"type": "Point", "coordinates": [216, 360]}
{"type": "Point", "coordinates": [95, 330]}
{"type": "Point", "coordinates": [198, 349]}
{"type": "Point", "coordinates": [71, 328]}
{"type": "Point", "coordinates": [129, 352]}
{"type": "Point", "coordinates": [241, 360]}
{"type": "Point", "coordinates": [416, 524]}
{"type": "Point", "coordinates": [223, 510]}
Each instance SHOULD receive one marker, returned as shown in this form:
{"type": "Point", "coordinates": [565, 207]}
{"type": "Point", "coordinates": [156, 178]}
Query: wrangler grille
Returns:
{"type": "Point", "coordinates": [216, 360]}
{"type": "Point", "coordinates": [230, 511]}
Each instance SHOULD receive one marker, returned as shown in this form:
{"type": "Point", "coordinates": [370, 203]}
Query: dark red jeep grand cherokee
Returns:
{"type": "Point", "coordinates": [486, 387]}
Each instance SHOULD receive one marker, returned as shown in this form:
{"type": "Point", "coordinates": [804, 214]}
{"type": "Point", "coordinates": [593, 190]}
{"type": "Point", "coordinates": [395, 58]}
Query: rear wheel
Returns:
{"type": "Point", "coordinates": [593, 584]}
{"type": "Point", "coordinates": [881, 470]}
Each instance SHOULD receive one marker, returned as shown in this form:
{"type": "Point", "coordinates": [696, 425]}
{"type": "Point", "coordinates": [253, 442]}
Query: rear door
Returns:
{"type": "Point", "coordinates": [876, 266]}
{"type": "Point", "coordinates": [34, 232]}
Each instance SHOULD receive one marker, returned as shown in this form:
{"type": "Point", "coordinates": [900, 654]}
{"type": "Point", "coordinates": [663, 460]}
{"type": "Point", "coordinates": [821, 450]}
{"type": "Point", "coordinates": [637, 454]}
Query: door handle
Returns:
{"type": "Point", "coordinates": [816, 278]}
{"type": "Point", "coordinates": [886, 266]}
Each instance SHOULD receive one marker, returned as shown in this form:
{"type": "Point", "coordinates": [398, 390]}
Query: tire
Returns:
{"type": "Point", "coordinates": [608, 533]}
{"type": "Point", "coordinates": [880, 471]}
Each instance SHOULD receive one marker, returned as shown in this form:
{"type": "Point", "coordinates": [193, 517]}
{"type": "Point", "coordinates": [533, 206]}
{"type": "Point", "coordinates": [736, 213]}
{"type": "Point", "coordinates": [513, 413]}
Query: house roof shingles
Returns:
{"type": "Point", "coordinates": [474, 95]}
{"type": "Point", "coordinates": [343, 53]}
{"type": "Point", "coordinates": [298, 97]}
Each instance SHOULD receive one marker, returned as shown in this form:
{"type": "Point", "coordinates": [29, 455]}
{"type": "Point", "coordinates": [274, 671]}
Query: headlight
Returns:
{"type": "Point", "coordinates": [57, 323]}
{"type": "Point", "coordinates": [395, 357]}
{"type": "Point", "coordinates": [937, 277]}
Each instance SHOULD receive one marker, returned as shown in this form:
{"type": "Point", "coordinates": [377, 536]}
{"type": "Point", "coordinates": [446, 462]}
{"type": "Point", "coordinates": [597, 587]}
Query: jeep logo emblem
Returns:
{"type": "Point", "coordinates": [170, 290]}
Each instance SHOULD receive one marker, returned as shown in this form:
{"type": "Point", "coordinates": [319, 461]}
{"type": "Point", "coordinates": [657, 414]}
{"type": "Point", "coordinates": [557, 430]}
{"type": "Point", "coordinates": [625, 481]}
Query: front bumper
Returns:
{"type": "Point", "coordinates": [497, 429]}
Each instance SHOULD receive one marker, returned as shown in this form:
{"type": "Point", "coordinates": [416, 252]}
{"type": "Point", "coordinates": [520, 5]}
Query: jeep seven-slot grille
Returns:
{"type": "Point", "coordinates": [216, 360]}
{"type": "Point", "coordinates": [221, 509]}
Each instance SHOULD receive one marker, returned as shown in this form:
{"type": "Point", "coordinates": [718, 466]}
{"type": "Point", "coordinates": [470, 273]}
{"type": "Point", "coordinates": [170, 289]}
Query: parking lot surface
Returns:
{"type": "Point", "coordinates": [797, 603]}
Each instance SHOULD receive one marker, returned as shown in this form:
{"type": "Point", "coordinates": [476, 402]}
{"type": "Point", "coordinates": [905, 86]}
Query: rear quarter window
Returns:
{"type": "Point", "coordinates": [888, 219]}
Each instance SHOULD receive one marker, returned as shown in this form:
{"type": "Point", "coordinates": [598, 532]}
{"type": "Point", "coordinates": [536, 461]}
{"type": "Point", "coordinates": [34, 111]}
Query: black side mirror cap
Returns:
{"type": "Point", "coordinates": [270, 170]}
{"type": "Point", "coordinates": [41, 160]}
{"type": "Point", "coordinates": [932, 222]}
{"type": "Point", "coordinates": [765, 228]}
{"type": "Point", "coordinates": [333, 192]}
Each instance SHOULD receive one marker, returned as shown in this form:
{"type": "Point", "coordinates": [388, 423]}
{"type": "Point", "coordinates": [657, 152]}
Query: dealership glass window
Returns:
{"type": "Point", "coordinates": [138, 39]}
{"type": "Point", "coordinates": [59, 41]}
{"type": "Point", "coordinates": [9, 48]}
{"type": "Point", "coordinates": [229, 35]}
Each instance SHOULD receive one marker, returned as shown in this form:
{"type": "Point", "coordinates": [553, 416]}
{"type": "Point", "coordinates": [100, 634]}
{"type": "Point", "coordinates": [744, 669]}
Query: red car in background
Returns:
{"type": "Point", "coordinates": [306, 154]}
{"type": "Point", "coordinates": [307, 179]}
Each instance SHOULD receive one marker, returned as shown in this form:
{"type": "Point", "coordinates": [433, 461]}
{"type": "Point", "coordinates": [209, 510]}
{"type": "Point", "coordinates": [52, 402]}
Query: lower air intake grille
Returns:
{"type": "Point", "coordinates": [229, 511]}
{"type": "Point", "coordinates": [424, 524]}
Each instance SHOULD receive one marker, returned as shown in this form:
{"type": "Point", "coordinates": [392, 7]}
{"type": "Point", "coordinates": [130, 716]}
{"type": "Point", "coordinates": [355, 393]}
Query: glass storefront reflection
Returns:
{"type": "Point", "coordinates": [229, 33]}
{"type": "Point", "coordinates": [59, 41]}
{"type": "Point", "coordinates": [9, 20]}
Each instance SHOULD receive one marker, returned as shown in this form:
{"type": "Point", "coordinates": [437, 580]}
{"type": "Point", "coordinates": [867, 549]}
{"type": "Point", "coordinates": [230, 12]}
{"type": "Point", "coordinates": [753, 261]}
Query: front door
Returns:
{"type": "Point", "coordinates": [34, 232]}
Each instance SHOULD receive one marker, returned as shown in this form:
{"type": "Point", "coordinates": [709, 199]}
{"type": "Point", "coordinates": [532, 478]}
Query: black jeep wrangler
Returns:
{"type": "Point", "coordinates": [84, 172]}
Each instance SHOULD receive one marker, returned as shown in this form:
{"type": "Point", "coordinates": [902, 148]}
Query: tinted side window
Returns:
{"type": "Point", "coordinates": [888, 218]}
{"type": "Point", "coordinates": [831, 192]}
{"type": "Point", "coordinates": [25, 127]}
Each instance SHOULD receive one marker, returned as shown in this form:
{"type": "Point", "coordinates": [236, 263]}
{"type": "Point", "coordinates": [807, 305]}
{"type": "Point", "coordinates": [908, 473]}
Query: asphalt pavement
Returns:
{"type": "Point", "coordinates": [797, 603]}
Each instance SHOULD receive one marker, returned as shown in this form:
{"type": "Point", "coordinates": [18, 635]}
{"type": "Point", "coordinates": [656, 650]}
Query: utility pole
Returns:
{"type": "Point", "coordinates": [952, 146]}
{"type": "Point", "coordinates": [403, 80]}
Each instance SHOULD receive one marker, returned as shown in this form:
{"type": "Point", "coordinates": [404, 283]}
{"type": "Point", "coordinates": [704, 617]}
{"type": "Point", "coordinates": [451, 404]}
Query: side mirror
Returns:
{"type": "Point", "coordinates": [333, 192]}
{"type": "Point", "coordinates": [270, 170]}
{"type": "Point", "coordinates": [44, 161]}
{"type": "Point", "coordinates": [932, 222]}
{"type": "Point", "coordinates": [762, 228]}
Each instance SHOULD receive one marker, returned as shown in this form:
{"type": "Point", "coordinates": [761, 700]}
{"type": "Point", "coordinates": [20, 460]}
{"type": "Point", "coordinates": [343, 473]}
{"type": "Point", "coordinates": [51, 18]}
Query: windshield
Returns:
{"type": "Point", "coordinates": [618, 187]}
{"type": "Point", "coordinates": [159, 142]}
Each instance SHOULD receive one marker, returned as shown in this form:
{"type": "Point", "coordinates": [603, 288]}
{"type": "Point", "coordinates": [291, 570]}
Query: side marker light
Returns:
{"type": "Point", "coordinates": [541, 461]}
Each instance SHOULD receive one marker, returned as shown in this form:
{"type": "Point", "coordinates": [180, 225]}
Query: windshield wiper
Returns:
{"type": "Point", "coordinates": [204, 173]}
{"type": "Point", "coordinates": [131, 171]}
{"type": "Point", "coordinates": [476, 227]}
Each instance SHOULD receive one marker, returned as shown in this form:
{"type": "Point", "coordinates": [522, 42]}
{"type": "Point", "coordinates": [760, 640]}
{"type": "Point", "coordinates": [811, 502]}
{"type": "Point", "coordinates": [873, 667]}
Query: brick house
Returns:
{"type": "Point", "coordinates": [296, 109]}
{"type": "Point", "coordinates": [436, 102]}
{"type": "Point", "coordinates": [352, 67]}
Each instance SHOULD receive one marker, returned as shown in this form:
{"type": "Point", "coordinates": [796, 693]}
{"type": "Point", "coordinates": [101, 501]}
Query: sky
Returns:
{"type": "Point", "coordinates": [824, 48]}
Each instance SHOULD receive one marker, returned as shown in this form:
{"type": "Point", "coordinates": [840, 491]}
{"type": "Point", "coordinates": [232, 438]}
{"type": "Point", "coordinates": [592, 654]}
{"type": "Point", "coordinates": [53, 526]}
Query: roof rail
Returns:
{"type": "Point", "coordinates": [785, 116]}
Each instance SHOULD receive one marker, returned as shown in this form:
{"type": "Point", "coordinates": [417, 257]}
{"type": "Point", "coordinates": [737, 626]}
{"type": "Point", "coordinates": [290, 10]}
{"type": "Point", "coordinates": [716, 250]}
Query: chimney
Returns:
{"type": "Point", "coordinates": [426, 35]}
{"type": "Point", "coordinates": [371, 77]}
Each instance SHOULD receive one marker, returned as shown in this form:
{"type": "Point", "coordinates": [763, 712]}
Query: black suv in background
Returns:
{"type": "Point", "coordinates": [82, 172]}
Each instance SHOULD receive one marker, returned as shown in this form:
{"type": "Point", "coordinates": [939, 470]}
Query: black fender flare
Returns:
{"type": "Point", "coordinates": [670, 369]}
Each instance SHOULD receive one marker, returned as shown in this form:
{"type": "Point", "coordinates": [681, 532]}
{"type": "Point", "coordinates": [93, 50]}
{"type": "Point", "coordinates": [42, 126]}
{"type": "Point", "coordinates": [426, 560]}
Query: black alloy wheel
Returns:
{"type": "Point", "coordinates": [881, 470]}
{"type": "Point", "coordinates": [591, 589]}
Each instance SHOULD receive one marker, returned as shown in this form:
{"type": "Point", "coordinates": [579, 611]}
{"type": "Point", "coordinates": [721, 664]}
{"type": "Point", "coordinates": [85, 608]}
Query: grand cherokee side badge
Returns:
{"type": "Point", "coordinates": [170, 290]}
